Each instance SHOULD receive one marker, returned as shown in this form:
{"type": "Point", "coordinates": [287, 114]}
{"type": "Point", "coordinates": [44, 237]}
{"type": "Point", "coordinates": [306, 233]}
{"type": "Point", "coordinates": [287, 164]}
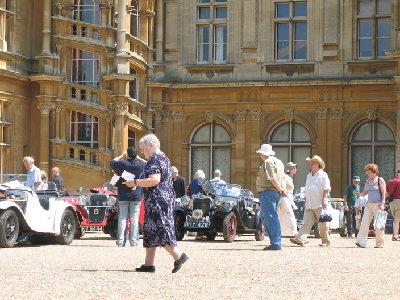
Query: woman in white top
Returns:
{"type": "Point", "coordinates": [286, 204]}
{"type": "Point", "coordinates": [44, 184]}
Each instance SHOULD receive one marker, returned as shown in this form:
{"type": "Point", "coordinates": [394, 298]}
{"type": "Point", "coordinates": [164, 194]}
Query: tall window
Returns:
{"type": "Point", "coordinates": [291, 30]}
{"type": "Point", "coordinates": [84, 129]}
{"type": "Point", "coordinates": [131, 138]}
{"type": "Point", "coordinates": [85, 68]}
{"type": "Point", "coordinates": [134, 18]}
{"type": "Point", "coordinates": [374, 28]}
{"type": "Point", "coordinates": [292, 142]}
{"type": "Point", "coordinates": [133, 85]}
{"type": "Point", "coordinates": [372, 142]}
{"type": "Point", "coordinates": [211, 149]}
{"type": "Point", "coordinates": [87, 11]}
{"type": "Point", "coordinates": [212, 31]}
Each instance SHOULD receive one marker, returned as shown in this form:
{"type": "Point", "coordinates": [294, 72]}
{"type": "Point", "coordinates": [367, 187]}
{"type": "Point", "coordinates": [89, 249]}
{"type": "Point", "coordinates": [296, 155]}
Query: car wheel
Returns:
{"type": "Point", "coordinates": [179, 227]}
{"type": "Point", "coordinates": [9, 228]}
{"type": "Point", "coordinates": [67, 228]}
{"type": "Point", "coordinates": [260, 234]}
{"type": "Point", "coordinates": [79, 233]}
{"type": "Point", "coordinates": [229, 227]}
{"type": "Point", "coordinates": [211, 236]}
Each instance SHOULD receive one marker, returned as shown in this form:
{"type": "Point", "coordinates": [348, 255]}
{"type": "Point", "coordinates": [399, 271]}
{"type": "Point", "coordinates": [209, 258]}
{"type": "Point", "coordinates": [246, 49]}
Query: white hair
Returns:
{"type": "Point", "coordinates": [150, 140]}
{"type": "Point", "coordinates": [29, 159]}
{"type": "Point", "coordinates": [217, 172]}
{"type": "Point", "coordinates": [200, 174]}
{"type": "Point", "coordinates": [174, 169]}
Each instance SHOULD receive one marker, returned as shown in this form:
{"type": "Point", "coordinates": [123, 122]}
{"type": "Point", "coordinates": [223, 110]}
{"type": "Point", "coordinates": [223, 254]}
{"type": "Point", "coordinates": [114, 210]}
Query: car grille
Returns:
{"type": "Point", "coordinates": [203, 204]}
{"type": "Point", "coordinates": [97, 208]}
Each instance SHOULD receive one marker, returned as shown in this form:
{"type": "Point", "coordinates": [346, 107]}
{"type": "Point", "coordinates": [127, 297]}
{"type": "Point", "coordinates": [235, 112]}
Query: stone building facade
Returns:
{"type": "Point", "coordinates": [73, 84]}
{"type": "Point", "coordinates": [309, 77]}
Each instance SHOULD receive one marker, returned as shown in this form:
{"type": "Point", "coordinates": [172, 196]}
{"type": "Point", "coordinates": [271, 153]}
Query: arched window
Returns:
{"type": "Point", "coordinates": [210, 149]}
{"type": "Point", "coordinates": [134, 18]}
{"type": "Point", "coordinates": [87, 11]}
{"type": "Point", "coordinates": [292, 142]}
{"type": "Point", "coordinates": [372, 142]}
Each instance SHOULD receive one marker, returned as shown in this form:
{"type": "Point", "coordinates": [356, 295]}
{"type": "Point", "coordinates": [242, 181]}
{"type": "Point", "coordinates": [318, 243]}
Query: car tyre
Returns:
{"type": "Point", "coordinates": [229, 227]}
{"type": "Point", "coordinates": [260, 234]}
{"type": "Point", "coordinates": [211, 236]}
{"type": "Point", "coordinates": [67, 228]}
{"type": "Point", "coordinates": [9, 228]}
{"type": "Point", "coordinates": [179, 226]}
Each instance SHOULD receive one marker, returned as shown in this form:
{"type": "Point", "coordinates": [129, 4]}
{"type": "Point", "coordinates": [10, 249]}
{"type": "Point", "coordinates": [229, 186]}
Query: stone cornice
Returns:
{"type": "Point", "coordinates": [46, 77]}
{"type": "Point", "coordinates": [13, 75]}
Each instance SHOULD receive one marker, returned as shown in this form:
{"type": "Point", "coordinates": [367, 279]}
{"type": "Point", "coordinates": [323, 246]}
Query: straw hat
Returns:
{"type": "Point", "coordinates": [318, 160]}
{"type": "Point", "coordinates": [266, 149]}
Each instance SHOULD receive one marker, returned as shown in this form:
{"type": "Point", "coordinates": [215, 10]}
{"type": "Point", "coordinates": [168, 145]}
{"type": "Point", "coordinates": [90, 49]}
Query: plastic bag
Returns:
{"type": "Point", "coordinates": [380, 219]}
{"type": "Point", "coordinates": [325, 216]}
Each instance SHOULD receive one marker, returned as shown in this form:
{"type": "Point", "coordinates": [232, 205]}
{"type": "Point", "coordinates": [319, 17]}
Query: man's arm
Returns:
{"type": "Point", "coordinates": [278, 187]}
{"type": "Point", "coordinates": [325, 198]}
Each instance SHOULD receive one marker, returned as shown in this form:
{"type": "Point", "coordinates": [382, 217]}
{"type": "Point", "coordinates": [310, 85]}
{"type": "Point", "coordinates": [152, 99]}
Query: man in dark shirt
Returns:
{"type": "Point", "coordinates": [179, 183]}
{"type": "Point", "coordinates": [128, 199]}
{"type": "Point", "coordinates": [393, 188]}
{"type": "Point", "coordinates": [349, 200]}
{"type": "Point", "coordinates": [57, 179]}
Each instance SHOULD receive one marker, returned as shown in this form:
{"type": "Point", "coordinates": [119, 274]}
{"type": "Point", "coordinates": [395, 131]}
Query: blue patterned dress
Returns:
{"type": "Point", "coordinates": [159, 201]}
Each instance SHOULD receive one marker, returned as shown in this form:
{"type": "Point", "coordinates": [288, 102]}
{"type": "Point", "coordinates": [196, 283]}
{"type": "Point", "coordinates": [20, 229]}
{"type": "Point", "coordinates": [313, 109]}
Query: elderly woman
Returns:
{"type": "Point", "coordinates": [286, 204]}
{"type": "Point", "coordinates": [375, 188]}
{"type": "Point", "coordinates": [159, 199]}
{"type": "Point", "coordinates": [195, 185]}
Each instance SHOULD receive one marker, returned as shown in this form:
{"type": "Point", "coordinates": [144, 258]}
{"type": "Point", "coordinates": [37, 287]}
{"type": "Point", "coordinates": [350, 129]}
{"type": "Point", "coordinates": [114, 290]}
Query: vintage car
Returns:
{"type": "Point", "coordinates": [36, 217]}
{"type": "Point", "coordinates": [225, 208]}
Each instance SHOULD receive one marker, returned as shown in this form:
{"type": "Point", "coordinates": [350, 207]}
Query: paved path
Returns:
{"type": "Point", "coordinates": [94, 268]}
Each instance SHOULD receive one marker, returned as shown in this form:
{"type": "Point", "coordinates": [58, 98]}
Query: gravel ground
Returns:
{"type": "Point", "coordinates": [94, 268]}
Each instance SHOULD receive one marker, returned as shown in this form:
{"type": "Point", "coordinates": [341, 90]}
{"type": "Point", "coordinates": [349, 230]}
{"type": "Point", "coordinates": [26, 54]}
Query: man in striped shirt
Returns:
{"type": "Point", "coordinates": [316, 192]}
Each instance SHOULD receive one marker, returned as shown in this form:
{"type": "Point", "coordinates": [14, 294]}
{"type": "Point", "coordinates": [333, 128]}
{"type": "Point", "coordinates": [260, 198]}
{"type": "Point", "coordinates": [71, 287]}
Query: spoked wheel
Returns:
{"type": "Point", "coordinates": [260, 234]}
{"type": "Point", "coordinates": [67, 228]}
{"type": "Point", "coordinates": [179, 227]}
{"type": "Point", "coordinates": [229, 227]}
{"type": "Point", "coordinates": [9, 228]}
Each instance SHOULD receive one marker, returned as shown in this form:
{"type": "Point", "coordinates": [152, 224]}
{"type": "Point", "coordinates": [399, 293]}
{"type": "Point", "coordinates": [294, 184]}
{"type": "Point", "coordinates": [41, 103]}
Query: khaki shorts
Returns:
{"type": "Point", "coordinates": [395, 208]}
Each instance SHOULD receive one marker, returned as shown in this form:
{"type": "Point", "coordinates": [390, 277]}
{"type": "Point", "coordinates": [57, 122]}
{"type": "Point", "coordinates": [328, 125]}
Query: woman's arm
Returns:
{"type": "Point", "coordinates": [152, 180]}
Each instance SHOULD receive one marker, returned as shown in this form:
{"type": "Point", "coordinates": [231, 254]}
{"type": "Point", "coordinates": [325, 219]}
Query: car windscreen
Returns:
{"type": "Point", "coordinates": [227, 189]}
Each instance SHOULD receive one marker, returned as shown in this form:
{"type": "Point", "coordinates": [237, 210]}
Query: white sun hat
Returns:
{"type": "Point", "coordinates": [266, 149]}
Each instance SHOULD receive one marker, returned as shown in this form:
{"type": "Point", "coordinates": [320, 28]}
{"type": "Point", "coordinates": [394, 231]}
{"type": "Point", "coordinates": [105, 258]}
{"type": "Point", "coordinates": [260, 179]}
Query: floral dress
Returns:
{"type": "Point", "coordinates": [159, 201]}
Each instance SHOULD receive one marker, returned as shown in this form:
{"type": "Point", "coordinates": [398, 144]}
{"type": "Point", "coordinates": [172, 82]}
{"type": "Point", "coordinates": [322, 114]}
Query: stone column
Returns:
{"type": "Point", "coordinates": [121, 28]}
{"type": "Point", "coordinates": [58, 110]}
{"type": "Point", "coordinates": [3, 42]}
{"type": "Point", "coordinates": [46, 28]}
{"type": "Point", "coordinates": [321, 147]}
{"type": "Point", "coordinates": [159, 30]}
{"type": "Point", "coordinates": [45, 108]}
{"type": "Point", "coordinates": [239, 154]}
{"type": "Point", "coordinates": [119, 115]}
{"type": "Point", "coordinates": [105, 8]}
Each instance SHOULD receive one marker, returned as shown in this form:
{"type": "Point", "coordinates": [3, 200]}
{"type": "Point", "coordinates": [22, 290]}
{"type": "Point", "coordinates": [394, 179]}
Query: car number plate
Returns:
{"type": "Point", "coordinates": [191, 224]}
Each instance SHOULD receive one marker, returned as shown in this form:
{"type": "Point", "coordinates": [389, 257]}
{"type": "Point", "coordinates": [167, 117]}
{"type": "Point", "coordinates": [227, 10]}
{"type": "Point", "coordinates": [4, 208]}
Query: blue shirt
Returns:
{"type": "Point", "coordinates": [132, 166]}
{"type": "Point", "coordinates": [33, 176]}
{"type": "Point", "coordinates": [195, 187]}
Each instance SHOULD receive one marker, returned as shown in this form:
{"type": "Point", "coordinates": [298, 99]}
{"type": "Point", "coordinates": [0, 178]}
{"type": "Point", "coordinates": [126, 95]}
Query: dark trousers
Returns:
{"type": "Point", "coordinates": [351, 221]}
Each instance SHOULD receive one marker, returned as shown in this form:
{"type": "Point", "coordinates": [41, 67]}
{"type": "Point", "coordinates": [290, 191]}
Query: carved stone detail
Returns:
{"type": "Point", "coordinates": [105, 5]}
{"type": "Point", "coordinates": [240, 115]}
{"type": "Point", "coordinates": [337, 113]}
{"type": "Point", "coordinates": [158, 115]}
{"type": "Point", "coordinates": [119, 108]}
{"type": "Point", "coordinates": [330, 94]}
{"type": "Point", "coordinates": [289, 114]}
{"type": "Point", "coordinates": [322, 113]}
{"type": "Point", "coordinates": [372, 113]}
{"type": "Point", "coordinates": [209, 114]}
{"type": "Point", "coordinates": [255, 114]}
{"type": "Point", "coordinates": [178, 115]}
{"type": "Point", "coordinates": [46, 107]}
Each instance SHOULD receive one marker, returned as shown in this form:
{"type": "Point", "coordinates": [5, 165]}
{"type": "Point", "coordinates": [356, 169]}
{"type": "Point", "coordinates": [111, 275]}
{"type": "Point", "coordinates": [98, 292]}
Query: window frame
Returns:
{"type": "Point", "coordinates": [75, 68]}
{"type": "Point", "coordinates": [291, 20]}
{"type": "Point", "coordinates": [134, 14]}
{"type": "Point", "coordinates": [95, 8]}
{"type": "Point", "coordinates": [92, 142]}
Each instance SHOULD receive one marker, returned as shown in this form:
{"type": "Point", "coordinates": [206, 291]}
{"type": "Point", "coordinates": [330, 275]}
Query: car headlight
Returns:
{"type": "Point", "coordinates": [185, 200]}
{"type": "Point", "coordinates": [197, 214]}
{"type": "Point", "coordinates": [218, 201]}
{"type": "Point", "coordinates": [82, 200]}
{"type": "Point", "coordinates": [111, 200]}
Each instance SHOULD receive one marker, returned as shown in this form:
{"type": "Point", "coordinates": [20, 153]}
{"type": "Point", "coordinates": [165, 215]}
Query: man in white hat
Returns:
{"type": "Point", "coordinates": [217, 176]}
{"type": "Point", "coordinates": [271, 186]}
{"type": "Point", "coordinates": [316, 191]}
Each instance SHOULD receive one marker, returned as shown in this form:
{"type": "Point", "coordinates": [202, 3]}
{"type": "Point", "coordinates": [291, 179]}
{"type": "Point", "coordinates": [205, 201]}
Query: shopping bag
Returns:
{"type": "Point", "coordinates": [325, 216]}
{"type": "Point", "coordinates": [380, 219]}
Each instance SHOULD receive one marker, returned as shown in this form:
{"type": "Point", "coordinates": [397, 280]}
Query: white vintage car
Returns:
{"type": "Point", "coordinates": [23, 213]}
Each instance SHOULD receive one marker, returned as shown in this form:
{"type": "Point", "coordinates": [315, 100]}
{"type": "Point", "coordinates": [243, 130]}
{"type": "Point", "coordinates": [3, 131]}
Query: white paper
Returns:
{"type": "Point", "coordinates": [114, 179]}
{"type": "Point", "coordinates": [128, 176]}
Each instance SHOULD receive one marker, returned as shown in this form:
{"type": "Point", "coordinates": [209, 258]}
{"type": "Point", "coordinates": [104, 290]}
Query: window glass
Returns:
{"type": "Point", "coordinates": [203, 1]}
{"type": "Point", "coordinates": [384, 158]}
{"type": "Point", "coordinates": [221, 135]}
{"type": "Point", "coordinates": [361, 155]}
{"type": "Point", "coordinates": [383, 133]}
{"type": "Point", "coordinates": [282, 153]}
{"type": "Point", "coordinates": [281, 134]}
{"type": "Point", "coordinates": [300, 43]}
{"type": "Point", "coordinates": [382, 46]}
{"type": "Point", "coordinates": [221, 12]}
{"type": "Point", "coordinates": [282, 41]}
{"type": "Point", "coordinates": [220, 43]}
{"type": "Point", "coordinates": [202, 135]}
{"type": "Point", "coordinates": [84, 129]}
{"type": "Point", "coordinates": [282, 10]}
{"type": "Point", "coordinates": [222, 161]}
{"type": "Point", "coordinates": [303, 168]}
{"type": "Point", "coordinates": [365, 7]}
{"type": "Point", "coordinates": [203, 43]}
{"type": "Point", "coordinates": [221, 0]}
{"type": "Point", "coordinates": [363, 133]}
{"type": "Point", "coordinates": [300, 134]}
{"type": "Point", "coordinates": [87, 11]}
{"type": "Point", "coordinates": [384, 6]}
{"type": "Point", "coordinates": [300, 9]}
{"type": "Point", "coordinates": [204, 13]}
{"type": "Point", "coordinates": [365, 28]}
{"type": "Point", "coordinates": [200, 160]}
{"type": "Point", "coordinates": [384, 26]}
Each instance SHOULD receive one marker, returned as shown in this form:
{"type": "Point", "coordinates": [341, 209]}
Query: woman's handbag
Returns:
{"type": "Point", "coordinates": [380, 219]}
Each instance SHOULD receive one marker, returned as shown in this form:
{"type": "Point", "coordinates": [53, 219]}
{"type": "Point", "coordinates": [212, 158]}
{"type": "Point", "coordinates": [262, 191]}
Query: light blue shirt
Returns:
{"type": "Point", "coordinates": [33, 176]}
